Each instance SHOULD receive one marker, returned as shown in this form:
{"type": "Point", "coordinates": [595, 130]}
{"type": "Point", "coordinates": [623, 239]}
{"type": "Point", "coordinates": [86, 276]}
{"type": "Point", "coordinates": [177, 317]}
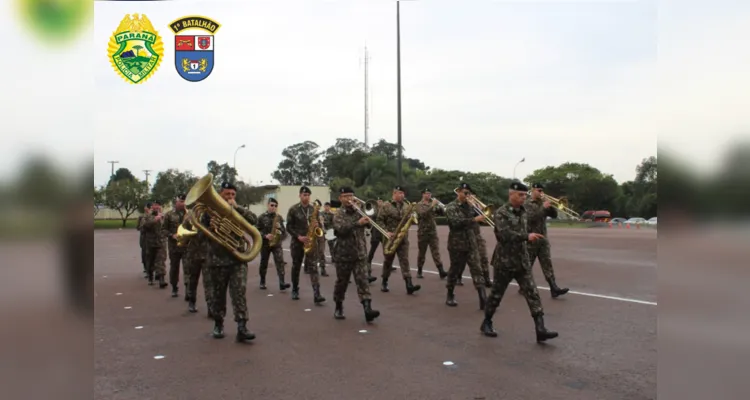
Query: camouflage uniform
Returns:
{"type": "Point", "coordinates": [484, 260]}
{"type": "Point", "coordinates": [172, 220]}
{"type": "Point", "coordinates": [266, 226]}
{"type": "Point", "coordinates": [156, 249]}
{"type": "Point", "coordinates": [511, 261]}
{"type": "Point", "coordinates": [375, 239]}
{"type": "Point", "coordinates": [463, 249]}
{"type": "Point", "coordinates": [328, 222]}
{"type": "Point", "coordinates": [142, 242]}
{"type": "Point", "coordinates": [537, 215]}
{"type": "Point", "coordinates": [195, 261]}
{"type": "Point", "coordinates": [389, 216]}
{"type": "Point", "coordinates": [427, 237]}
{"type": "Point", "coordinates": [297, 223]}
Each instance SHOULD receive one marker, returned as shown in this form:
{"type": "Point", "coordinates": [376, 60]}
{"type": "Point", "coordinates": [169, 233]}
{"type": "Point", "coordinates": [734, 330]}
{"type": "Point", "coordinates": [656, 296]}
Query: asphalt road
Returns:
{"type": "Point", "coordinates": [606, 349]}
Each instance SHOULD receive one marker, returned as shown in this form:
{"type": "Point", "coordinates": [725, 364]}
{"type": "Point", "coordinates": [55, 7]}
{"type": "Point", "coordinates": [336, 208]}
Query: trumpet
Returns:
{"type": "Point", "coordinates": [481, 209]}
{"type": "Point", "coordinates": [369, 213]}
{"type": "Point", "coordinates": [438, 202]}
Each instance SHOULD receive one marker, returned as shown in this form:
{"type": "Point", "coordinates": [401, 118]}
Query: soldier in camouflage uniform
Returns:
{"type": "Point", "coordinates": [462, 244]}
{"type": "Point", "coordinates": [172, 221]}
{"type": "Point", "coordinates": [156, 246]}
{"type": "Point", "coordinates": [511, 261]}
{"type": "Point", "coordinates": [196, 262]}
{"type": "Point", "coordinates": [375, 239]}
{"type": "Point", "coordinates": [351, 255]}
{"type": "Point", "coordinates": [389, 216]}
{"type": "Point", "coordinates": [297, 223]}
{"type": "Point", "coordinates": [328, 222]}
{"type": "Point", "coordinates": [427, 233]}
{"type": "Point", "coordinates": [484, 260]}
{"type": "Point", "coordinates": [228, 272]}
{"type": "Point", "coordinates": [537, 211]}
{"type": "Point", "coordinates": [146, 210]}
{"type": "Point", "coordinates": [325, 224]}
{"type": "Point", "coordinates": [267, 230]}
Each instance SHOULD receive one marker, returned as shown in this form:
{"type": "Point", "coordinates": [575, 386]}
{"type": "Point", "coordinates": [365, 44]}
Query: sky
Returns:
{"type": "Point", "coordinates": [484, 84]}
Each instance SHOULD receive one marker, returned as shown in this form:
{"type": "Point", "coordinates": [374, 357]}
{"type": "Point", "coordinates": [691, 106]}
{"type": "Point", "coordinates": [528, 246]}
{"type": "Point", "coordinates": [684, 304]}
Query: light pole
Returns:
{"type": "Point", "coordinates": [234, 164]}
{"type": "Point", "coordinates": [398, 88]}
{"type": "Point", "coordinates": [514, 168]}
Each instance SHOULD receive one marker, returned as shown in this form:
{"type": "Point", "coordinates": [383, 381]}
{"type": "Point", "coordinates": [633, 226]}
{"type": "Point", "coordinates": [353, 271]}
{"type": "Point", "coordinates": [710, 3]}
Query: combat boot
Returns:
{"type": "Point", "coordinates": [384, 286]}
{"type": "Point", "coordinates": [460, 281]}
{"type": "Point", "coordinates": [218, 332]}
{"type": "Point", "coordinates": [263, 282]}
{"type": "Point", "coordinates": [295, 293]}
{"type": "Point", "coordinates": [282, 284]}
{"type": "Point", "coordinates": [370, 278]}
{"type": "Point", "coordinates": [339, 313]}
{"type": "Point", "coordinates": [162, 282]}
{"type": "Point", "coordinates": [323, 271]}
{"type": "Point", "coordinates": [450, 300]}
{"type": "Point", "coordinates": [317, 298]}
{"type": "Point", "coordinates": [419, 273]}
{"type": "Point", "coordinates": [150, 278]}
{"type": "Point", "coordinates": [410, 287]}
{"type": "Point", "coordinates": [175, 291]}
{"type": "Point", "coordinates": [556, 290]}
{"type": "Point", "coordinates": [542, 334]}
{"type": "Point", "coordinates": [242, 333]}
{"type": "Point", "coordinates": [487, 328]}
{"type": "Point", "coordinates": [441, 271]}
{"type": "Point", "coordinates": [370, 314]}
{"type": "Point", "coordinates": [482, 297]}
{"type": "Point", "coordinates": [191, 306]}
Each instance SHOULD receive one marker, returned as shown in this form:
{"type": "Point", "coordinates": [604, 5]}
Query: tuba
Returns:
{"type": "Point", "coordinates": [276, 231]}
{"type": "Point", "coordinates": [314, 231]}
{"type": "Point", "coordinates": [225, 221]}
{"type": "Point", "coordinates": [402, 230]}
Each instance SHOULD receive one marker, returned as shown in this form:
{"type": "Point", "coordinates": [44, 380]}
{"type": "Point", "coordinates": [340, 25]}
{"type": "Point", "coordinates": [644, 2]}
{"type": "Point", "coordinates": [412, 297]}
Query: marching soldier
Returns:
{"type": "Point", "coordinates": [196, 262]}
{"type": "Point", "coordinates": [267, 231]}
{"type": "Point", "coordinates": [511, 261]}
{"type": "Point", "coordinates": [297, 223]}
{"type": "Point", "coordinates": [389, 216]}
{"type": "Point", "coordinates": [328, 222]}
{"type": "Point", "coordinates": [322, 240]}
{"type": "Point", "coordinates": [156, 251]}
{"type": "Point", "coordinates": [228, 272]}
{"type": "Point", "coordinates": [139, 227]}
{"type": "Point", "coordinates": [483, 259]}
{"type": "Point", "coordinates": [172, 221]}
{"type": "Point", "coordinates": [351, 255]}
{"type": "Point", "coordinates": [427, 233]}
{"type": "Point", "coordinates": [537, 211]}
{"type": "Point", "coordinates": [462, 244]}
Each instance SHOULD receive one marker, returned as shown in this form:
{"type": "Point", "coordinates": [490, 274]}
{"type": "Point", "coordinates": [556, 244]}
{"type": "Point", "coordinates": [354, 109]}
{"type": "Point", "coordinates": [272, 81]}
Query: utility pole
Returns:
{"type": "Point", "coordinates": [367, 115]}
{"type": "Point", "coordinates": [398, 84]}
{"type": "Point", "coordinates": [147, 172]}
{"type": "Point", "coordinates": [113, 168]}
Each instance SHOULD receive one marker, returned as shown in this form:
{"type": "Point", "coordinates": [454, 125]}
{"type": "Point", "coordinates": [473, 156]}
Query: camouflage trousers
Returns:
{"type": "Point", "coordinates": [234, 278]}
{"type": "Point", "coordinates": [156, 258]}
{"type": "Point", "coordinates": [344, 271]}
{"type": "Point", "coordinates": [541, 250]}
{"type": "Point", "coordinates": [321, 252]}
{"type": "Point", "coordinates": [196, 266]}
{"type": "Point", "coordinates": [143, 253]}
{"type": "Point", "coordinates": [373, 247]}
{"type": "Point", "coordinates": [527, 288]}
{"type": "Point", "coordinates": [402, 252]}
{"type": "Point", "coordinates": [298, 256]}
{"type": "Point", "coordinates": [175, 257]}
{"type": "Point", "coordinates": [278, 260]}
{"type": "Point", "coordinates": [431, 241]}
{"type": "Point", "coordinates": [459, 259]}
{"type": "Point", "coordinates": [331, 246]}
{"type": "Point", "coordinates": [484, 261]}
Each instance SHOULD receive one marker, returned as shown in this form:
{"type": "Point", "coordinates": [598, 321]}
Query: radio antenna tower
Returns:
{"type": "Point", "coordinates": [367, 104]}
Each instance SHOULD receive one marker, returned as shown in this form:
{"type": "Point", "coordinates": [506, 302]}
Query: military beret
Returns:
{"type": "Point", "coordinates": [149, 204]}
{"type": "Point", "coordinates": [304, 189]}
{"type": "Point", "coordinates": [327, 204]}
{"type": "Point", "coordinates": [519, 186]}
{"type": "Point", "coordinates": [181, 196]}
{"type": "Point", "coordinates": [156, 202]}
{"type": "Point", "coordinates": [346, 190]}
{"type": "Point", "coordinates": [425, 190]}
{"type": "Point", "coordinates": [228, 185]}
{"type": "Point", "coordinates": [537, 186]}
{"type": "Point", "coordinates": [399, 188]}
{"type": "Point", "coordinates": [272, 200]}
{"type": "Point", "coordinates": [465, 186]}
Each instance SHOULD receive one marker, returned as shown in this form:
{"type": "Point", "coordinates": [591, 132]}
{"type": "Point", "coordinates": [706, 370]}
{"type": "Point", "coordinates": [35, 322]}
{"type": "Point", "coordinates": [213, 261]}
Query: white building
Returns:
{"type": "Point", "coordinates": [289, 195]}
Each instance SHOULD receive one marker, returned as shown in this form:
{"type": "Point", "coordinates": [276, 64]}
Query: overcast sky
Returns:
{"type": "Point", "coordinates": [484, 83]}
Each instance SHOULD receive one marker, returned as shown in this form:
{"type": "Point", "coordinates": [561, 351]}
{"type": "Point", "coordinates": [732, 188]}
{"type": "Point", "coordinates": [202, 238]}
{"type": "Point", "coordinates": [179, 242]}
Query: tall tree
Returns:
{"type": "Point", "coordinates": [121, 174]}
{"type": "Point", "coordinates": [170, 183]}
{"type": "Point", "coordinates": [221, 172]}
{"type": "Point", "coordinates": [585, 187]}
{"type": "Point", "coordinates": [126, 197]}
{"type": "Point", "coordinates": [301, 164]}
{"type": "Point", "coordinates": [98, 199]}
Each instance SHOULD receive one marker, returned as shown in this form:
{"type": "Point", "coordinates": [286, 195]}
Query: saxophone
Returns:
{"type": "Point", "coordinates": [314, 231]}
{"type": "Point", "coordinates": [402, 230]}
{"type": "Point", "coordinates": [276, 231]}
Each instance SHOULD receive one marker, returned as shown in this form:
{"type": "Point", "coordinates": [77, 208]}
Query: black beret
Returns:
{"type": "Point", "coordinates": [537, 186]}
{"type": "Point", "coordinates": [519, 186]}
{"type": "Point", "coordinates": [327, 204]}
{"type": "Point", "coordinates": [148, 204]}
{"type": "Point", "coordinates": [399, 188]}
{"type": "Point", "coordinates": [465, 186]}
{"type": "Point", "coordinates": [425, 190]}
{"type": "Point", "coordinates": [181, 196]}
{"type": "Point", "coordinates": [272, 200]}
{"type": "Point", "coordinates": [228, 185]}
{"type": "Point", "coordinates": [156, 202]}
{"type": "Point", "coordinates": [346, 190]}
{"type": "Point", "coordinates": [304, 189]}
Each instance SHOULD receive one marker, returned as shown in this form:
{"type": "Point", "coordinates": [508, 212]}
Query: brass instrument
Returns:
{"type": "Point", "coordinates": [225, 220]}
{"type": "Point", "coordinates": [410, 217]}
{"type": "Point", "coordinates": [562, 205]}
{"type": "Point", "coordinates": [369, 214]}
{"type": "Point", "coordinates": [482, 209]}
{"type": "Point", "coordinates": [184, 234]}
{"type": "Point", "coordinates": [275, 231]}
{"type": "Point", "coordinates": [314, 231]}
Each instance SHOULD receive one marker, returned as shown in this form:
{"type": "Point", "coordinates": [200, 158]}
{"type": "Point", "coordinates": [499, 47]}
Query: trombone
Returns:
{"type": "Point", "coordinates": [562, 205]}
{"type": "Point", "coordinates": [371, 209]}
{"type": "Point", "coordinates": [481, 209]}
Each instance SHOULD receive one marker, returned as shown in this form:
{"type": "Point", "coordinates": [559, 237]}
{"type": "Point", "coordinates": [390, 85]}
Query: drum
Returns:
{"type": "Point", "coordinates": [330, 235]}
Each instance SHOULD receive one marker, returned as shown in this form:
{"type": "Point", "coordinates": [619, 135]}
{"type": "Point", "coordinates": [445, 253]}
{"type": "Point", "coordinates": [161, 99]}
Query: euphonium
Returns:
{"type": "Point", "coordinates": [314, 231]}
{"type": "Point", "coordinates": [184, 234]}
{"type": "Point", "coordinates": [225, 220]}
{"type": "Point", "coordinates": [402, 230]}
{"type": "Point", "coordinates": [275, 231]}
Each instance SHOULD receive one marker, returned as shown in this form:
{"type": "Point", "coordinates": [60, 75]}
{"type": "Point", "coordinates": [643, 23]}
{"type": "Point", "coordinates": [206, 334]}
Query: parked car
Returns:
{"type": "Point", "coordinates": [651, 221]}
{"type": "Point", "coordinates": [617, 221]}
{"type": "Point", "coordinates": [636, 221]}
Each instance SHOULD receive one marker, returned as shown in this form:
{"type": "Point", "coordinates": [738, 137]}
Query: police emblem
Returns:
{"type": "Point", "coordinates": [194, 54]}
{"type": "Point", "coordinates": [135, 49]}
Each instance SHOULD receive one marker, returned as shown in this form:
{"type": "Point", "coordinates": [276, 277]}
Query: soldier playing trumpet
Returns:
{"type": "Point", "coordinates": [427, 232]}
{"type": "Point", "coordinates": [271, 227]}
{"type": "Point", "coordinates": [537, 211]}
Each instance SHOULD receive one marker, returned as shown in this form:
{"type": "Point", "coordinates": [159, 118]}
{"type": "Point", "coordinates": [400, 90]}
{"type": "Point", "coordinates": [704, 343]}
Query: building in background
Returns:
{"type": "Point", "coordinates": [289, 195]}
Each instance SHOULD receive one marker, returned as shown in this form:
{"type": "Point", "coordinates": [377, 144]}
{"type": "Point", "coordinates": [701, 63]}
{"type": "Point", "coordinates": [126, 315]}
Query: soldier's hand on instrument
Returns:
{"type": "Point", "coordinates": [303, 239]}
{"type": "Point", "coordinates": [364, 221]}
{"type": "Point", "coordinates": [174, 236]}
{"type": "Point", "coordinates": [535, 236]}
{"type": "Point", "coordinates": [479, 218]}
{"type": "Point", "coordinates": [390, 235]}
{"type": "Point", "coordinates": [547, 204]}
{"type": "Point", "coordinates": [269, 236]}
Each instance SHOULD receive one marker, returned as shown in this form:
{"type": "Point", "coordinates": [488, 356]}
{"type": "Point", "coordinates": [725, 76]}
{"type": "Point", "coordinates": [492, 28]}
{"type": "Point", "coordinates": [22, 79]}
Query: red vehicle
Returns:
{"type": "Point", "coordinates": [596, 216]}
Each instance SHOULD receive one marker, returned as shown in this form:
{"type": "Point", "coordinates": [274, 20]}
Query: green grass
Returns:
{"type": "Point", "coordinates": [114, 224]}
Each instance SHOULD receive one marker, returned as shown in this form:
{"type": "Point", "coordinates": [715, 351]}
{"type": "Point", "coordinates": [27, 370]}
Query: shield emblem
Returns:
{"type": "Point", "coordinates": [194, 56]}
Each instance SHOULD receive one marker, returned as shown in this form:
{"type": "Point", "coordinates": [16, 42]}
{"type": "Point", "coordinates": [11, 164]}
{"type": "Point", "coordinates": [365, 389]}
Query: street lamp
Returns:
{"type": "Point", "coordinates": [514, 168]}
{"type": "Point", "coordinates": [398, 87]}
{"type": "Point", "coordinates": [234, 165]}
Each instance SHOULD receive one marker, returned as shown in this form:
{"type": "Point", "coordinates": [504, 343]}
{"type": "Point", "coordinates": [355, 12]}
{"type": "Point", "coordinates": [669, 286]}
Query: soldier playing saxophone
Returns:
{"type": "Point", "coordinates": [297, 224]}
{"type": "Point", "coordinates": [271, 227]}
{"type": "Point", "coordinates": [389, 217]}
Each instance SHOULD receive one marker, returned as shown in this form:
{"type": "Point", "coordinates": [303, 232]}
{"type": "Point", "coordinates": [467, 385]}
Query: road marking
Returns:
{"type": "Point", "coordinates": [600, 296]}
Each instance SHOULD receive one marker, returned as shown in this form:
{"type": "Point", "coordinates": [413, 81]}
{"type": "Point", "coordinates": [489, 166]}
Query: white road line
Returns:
{"type": "Point", "coordinates": [600, 296]}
